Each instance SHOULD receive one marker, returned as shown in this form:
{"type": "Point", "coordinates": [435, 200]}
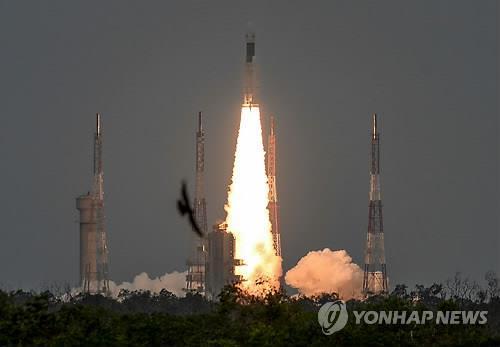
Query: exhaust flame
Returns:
{"type": "Point", "coordinates": [247, 213]}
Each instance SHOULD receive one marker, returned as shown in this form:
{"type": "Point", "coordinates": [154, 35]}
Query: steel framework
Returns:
{"type": "Point", "coordinates": [375, 272]}
{"type": "Point", "coordinates": [95, 276]}
{"type": "Point", "coordinates": [195, 278]}
{"type": "Point", "coordinates": [273, 195]}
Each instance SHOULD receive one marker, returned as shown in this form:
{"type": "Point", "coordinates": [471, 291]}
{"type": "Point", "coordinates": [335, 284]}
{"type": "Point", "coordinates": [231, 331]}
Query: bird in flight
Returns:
{"type": "Point", "coordinates": [184, 207]}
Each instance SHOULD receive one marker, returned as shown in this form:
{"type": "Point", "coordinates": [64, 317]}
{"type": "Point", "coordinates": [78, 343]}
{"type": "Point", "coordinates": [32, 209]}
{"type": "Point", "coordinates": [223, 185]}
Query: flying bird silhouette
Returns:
{"type": "Point", "coordinates": [184, 207]}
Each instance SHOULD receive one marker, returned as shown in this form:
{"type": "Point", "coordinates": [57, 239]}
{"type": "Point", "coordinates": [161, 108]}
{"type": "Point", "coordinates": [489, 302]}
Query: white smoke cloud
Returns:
{"type": "Point", "coordinates": [173, 282]}
{"type": "Point", "coordinates": [326, 271]}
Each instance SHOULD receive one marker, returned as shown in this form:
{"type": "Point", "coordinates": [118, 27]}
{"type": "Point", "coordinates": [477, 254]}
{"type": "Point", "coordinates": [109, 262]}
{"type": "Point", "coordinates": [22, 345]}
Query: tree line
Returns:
{"type": "Point", "coordinates": [141, 318]}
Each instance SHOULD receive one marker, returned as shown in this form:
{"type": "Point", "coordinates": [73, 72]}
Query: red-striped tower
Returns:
{"type": "Point", "coordinates": [273, 195]}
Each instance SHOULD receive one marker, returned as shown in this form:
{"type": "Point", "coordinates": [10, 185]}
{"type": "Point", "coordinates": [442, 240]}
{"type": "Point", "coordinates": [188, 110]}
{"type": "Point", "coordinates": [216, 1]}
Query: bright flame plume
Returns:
{"type": "Point", "coordinates": [247, 213]}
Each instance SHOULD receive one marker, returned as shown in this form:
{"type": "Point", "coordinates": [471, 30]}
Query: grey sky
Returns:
{"type": "Point", "coordinates": [428, 68]}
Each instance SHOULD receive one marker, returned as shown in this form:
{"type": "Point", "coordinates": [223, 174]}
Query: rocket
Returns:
{"type": "Point", "coordinates": [250, 38]}
{"type": "Point", "coordinates": [249, 84]}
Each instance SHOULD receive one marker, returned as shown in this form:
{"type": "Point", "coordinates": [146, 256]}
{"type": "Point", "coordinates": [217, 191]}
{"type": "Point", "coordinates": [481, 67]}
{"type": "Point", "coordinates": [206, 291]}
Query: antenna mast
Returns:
{"type": "Point", "coordinates": [375, 273]}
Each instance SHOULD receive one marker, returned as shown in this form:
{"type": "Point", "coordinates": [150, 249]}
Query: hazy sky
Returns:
{"type": "Point", "coordinates": [428, 68]}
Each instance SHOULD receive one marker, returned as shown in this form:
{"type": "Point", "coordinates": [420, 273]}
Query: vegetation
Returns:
{"type": "Point", "coordinates": [145, 319]}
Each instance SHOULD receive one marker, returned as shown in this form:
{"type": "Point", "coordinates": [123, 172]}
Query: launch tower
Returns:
{"type": "Point", "coordinates": [195, 278]}
{"type": "Point", "coordinates": [273, 195]}
{"type": "Point", "coordinates": [375, 273]}
{"type": "Point", "coordinates": [94, 277]}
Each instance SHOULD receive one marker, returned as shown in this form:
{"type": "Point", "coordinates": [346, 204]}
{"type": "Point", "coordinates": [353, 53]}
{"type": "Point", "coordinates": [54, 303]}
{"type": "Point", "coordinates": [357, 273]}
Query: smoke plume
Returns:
{"type": "Point", "coordinates": [326, 271]}
{"type": "Point", "coordinates": [173, 282]}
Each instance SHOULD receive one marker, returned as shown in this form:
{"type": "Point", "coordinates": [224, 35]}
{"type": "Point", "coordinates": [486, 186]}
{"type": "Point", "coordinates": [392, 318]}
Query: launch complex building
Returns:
{"type": "Point", "coordinates": [93, 245]}
{"type": "Point", "coordinates": [211, 262]}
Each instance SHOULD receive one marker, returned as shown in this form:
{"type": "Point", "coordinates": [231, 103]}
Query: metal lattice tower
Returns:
{"type": "Point", "coordinates": [195, 278]}
{"type": "Point", "coordinates": [375, 273]}
{"type": "Point", "coordinates": [273, 195]}
{"type": "Point", "coordinates": [94, 274]}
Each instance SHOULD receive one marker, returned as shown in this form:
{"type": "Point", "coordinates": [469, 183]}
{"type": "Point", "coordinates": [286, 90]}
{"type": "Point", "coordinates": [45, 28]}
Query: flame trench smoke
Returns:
{"type": "Point", "coordinates": [327, 271]}
{"type": "Point", "coordinates": [247, 213]}
{"type": "Point", "coordinates": [173, 282]}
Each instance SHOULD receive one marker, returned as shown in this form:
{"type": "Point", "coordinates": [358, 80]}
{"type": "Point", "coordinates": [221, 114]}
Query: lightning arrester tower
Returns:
{"type": "Point", "coordinates": [94, 277]}
{"type": "Point", "coordinates": [195, 278]}
{"type": "Point", "coordinates": [273, 195]}
{"type": "Point", "coordinates": [375, 273]}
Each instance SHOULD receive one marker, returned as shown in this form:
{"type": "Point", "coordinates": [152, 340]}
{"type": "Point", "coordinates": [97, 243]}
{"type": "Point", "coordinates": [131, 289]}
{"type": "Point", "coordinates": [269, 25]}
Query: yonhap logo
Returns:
{"type": "Point", "coordinates": [332, 317]}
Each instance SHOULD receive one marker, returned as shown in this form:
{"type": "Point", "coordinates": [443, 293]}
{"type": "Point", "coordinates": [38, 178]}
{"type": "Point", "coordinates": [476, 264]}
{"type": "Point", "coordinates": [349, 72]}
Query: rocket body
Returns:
{"type": "Point", "coordinates": [250, 39]}
{"type": "Point", "coordinates": [249, 84]}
